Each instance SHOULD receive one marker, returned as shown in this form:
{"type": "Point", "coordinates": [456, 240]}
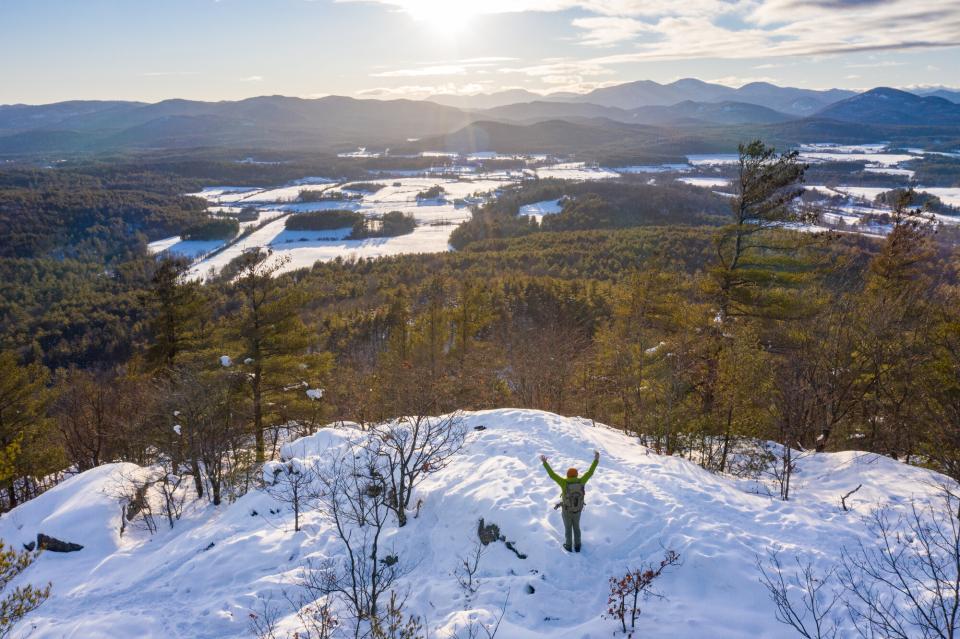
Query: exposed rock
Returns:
{"type": "Point", "coordinates": [45, 542]}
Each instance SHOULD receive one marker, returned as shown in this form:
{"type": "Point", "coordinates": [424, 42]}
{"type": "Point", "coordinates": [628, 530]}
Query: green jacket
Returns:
{"type": "Point", "coordinates": [563, 481]}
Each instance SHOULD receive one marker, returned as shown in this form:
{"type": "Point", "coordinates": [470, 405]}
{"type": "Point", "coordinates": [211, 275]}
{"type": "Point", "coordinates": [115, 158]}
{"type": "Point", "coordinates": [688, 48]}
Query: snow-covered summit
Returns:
{"type": "Point", "coordinates": [202, 578]}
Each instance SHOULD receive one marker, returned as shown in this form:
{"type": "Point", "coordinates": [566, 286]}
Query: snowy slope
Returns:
{"type": "Point", "coordinates": [201, 579]}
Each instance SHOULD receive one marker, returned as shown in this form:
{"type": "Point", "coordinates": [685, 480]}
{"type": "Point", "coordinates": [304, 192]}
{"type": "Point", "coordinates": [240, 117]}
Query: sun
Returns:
{"type": "Point", "coordinates": [445, 16]}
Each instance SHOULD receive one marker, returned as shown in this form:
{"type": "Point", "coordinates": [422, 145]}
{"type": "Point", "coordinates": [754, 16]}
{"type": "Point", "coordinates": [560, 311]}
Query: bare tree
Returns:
{"type": "Point", "coordinates": [907, 584]}
{"type": "Point", "coordinates": [810, 610]}
{"type": "Point", "coordinates": [293, 483]}
{"type": "Point", "coordinates": [466, 572]}
{"type": "Point", "coordinates": [410, 449]}
{"type": "Point", "coordinates": [354, 496]}
{"type": "Point", "coordinates": [311, 602]}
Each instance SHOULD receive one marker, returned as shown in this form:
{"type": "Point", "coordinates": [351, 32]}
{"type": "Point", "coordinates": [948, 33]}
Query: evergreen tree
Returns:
{"type": "Point", "coordinates": [273, 342]}
{"type": "Point", "coordinates": [16, 603]}
{"type": "Point", "coordinates": [28, 448]}
{"type": "Point", "coordinates": [756, 263]}
{"type": "Point", "coordinates": [177, 306]}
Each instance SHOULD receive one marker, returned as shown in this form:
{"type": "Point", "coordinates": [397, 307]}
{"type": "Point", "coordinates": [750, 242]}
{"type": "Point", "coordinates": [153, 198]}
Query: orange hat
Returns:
{"type": "Point", "coordinates": [571, 473]}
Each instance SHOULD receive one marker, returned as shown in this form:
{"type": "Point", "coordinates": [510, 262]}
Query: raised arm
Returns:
{"type": "Point", "coordinates": [596, 460]}
{"type": "Point", "coordinates": [555, 477]}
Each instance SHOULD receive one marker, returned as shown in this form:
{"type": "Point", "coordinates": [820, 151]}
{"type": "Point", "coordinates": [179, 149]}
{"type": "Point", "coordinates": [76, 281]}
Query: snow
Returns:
{"type": "Point", "coordinates": [225, 361]}
{"type": "Point", "coordinates": [705, 182]}
{"type": "Point", "coordinates": [436, 219]}
{"type": "Point", "coordinates": [315, 393]}
{"type": "Point", "coordinates": [221, 194]}
{"type": "Point", "coordinates": [709, 159]}
{"type": "Point", "coordinates": [186, 248]}
{"type": "Point", "coordinates": [576, 171]}
{"type": "Point", "coordinates": [949, 196]}
{"type": "Point", "coordinates": [201, 578]}
{"type": "Point", "coordinates": [875, 147]}
{"type": "Point", "coordinates": [881, 159]}
{"type": "Point", "coordinates": [538, 209]}
{"type": "Point", "coordinates": [653, 168]}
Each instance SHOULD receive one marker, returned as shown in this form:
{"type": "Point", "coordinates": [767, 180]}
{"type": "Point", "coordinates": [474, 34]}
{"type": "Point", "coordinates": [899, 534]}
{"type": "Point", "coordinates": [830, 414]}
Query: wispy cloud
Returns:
{"type": "Point", "coordinates": [443, 68]}
{"type": "Point", "coordinates": [734, 29]}
{"type": "Point", "coordinates": [252, 78]}
{"type": "Point", "coordinates": [416, 72]}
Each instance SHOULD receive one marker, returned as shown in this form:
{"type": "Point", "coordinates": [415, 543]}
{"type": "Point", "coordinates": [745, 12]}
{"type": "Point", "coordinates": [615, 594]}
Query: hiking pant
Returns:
{"type": "Point", "coordinates": [571, 527]}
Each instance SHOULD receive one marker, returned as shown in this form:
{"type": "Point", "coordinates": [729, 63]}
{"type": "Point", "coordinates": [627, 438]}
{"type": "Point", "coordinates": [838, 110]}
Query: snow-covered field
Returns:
{"type": "Point", "coordinates": [576, 171]}
{"type": "Point", "coordinates": [186, 248]}
{"type": "Point", "coordinates": [538, 209]}
{"type": "Point", "coordinates": [202, 578]}
{"type": "Point", "coordinates": [436, 219]}
{"type": "Point", "coordinates": [706, 182]}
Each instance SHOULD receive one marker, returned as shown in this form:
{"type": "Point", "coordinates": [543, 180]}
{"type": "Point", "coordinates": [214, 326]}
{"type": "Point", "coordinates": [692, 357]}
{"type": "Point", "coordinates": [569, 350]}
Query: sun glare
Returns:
{"type": "Point", "coordinates": [446, 16]}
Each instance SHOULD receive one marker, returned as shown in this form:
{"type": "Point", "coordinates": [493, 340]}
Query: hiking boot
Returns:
{"type": "Point", "coordinates": [576, 548]}
{"type": "Point", "coordinates": [566, 547]}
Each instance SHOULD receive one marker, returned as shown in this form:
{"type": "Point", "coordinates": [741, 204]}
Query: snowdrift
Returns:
{"type": "Point", "coordinates": [203, 578]}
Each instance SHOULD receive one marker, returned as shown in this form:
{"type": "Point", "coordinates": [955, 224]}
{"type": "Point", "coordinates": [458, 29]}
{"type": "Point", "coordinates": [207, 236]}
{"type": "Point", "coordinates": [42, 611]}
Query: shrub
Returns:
{"type": "Point", "coordinates": [623, 604]}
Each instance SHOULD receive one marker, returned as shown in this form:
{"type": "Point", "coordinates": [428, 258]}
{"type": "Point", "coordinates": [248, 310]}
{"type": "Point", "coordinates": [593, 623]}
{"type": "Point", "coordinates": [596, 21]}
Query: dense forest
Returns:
{"type": "Point", "coordinates": [699, 324]}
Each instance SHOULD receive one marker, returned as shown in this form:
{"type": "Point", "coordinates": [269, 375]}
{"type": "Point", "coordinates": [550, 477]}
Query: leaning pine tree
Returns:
{"type": "Point", "coordinates": [758, 264]}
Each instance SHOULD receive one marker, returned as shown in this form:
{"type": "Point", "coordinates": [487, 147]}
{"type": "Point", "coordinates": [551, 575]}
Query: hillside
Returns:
{"type": "Point", "coordinates": [268, 121]}
{"type": "Point", "coordinates": [204, 577]}
{"type": "Point", "coordinates": [893, 107]}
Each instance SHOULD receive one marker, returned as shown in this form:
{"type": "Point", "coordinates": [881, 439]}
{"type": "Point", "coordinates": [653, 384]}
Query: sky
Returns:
{"type": "Point", "coordinates": [150, 50]}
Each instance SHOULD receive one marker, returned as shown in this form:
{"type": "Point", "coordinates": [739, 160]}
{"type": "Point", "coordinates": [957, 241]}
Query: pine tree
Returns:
{"type": "Point", "coordinates": [896, 331]}
{"type": "Point", "coordinates": [18, 602]}
{"type": "Point", "coordinates": [273, 341]}
{"type": "Point", "coordinates": [28, 447]}
{"type": "Point", "coordinates": [756, 262]}
{"type": "Point", "coordinates": [177, 305]}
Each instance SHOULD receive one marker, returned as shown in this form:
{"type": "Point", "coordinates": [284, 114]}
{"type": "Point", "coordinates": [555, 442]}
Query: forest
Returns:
{"type": "Point", "coordinates": [699, 325]}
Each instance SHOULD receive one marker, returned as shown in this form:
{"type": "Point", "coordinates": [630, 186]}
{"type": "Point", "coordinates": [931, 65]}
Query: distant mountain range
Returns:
{"type": "Point", "coordinates": [797, 102]}
{"type": "Point", "coordinates": [646, 113]}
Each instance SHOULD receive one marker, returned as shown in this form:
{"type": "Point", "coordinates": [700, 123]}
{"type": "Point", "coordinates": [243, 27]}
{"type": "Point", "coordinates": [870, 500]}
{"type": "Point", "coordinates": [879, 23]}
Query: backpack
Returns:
{"type": "Point", "coordinates": [573, 496]}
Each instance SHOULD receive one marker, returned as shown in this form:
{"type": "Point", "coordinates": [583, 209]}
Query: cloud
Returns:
{"type": "Point", "coordinates": [605, 30]}
{"type": "Point", "coordinates": [455, 67]}
{"type": "Point", "coordinates": [668, 29]}
{"type": "Point", "coordinates": [252, 78]}
{"type": "Point", "coordinates": [450, 69]}
{"type": "Point", "coordinates": [422, 90]}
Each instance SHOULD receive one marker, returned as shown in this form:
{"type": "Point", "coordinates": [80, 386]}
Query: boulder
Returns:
{"type": "Point", "coordinates": [45, 542]}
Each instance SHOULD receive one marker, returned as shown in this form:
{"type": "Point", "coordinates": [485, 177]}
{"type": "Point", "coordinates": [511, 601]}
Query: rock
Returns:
{"type": "Point", "coordinates": [530, 589]}
{"type": "Point", "coordinates": [45, 542]}
{"type": "Point", "coordinates": [29, 547]}
{"type": "Point", "coordinates": [480, 427]}
{"type": "Point", "coordinates": [488, 533]}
